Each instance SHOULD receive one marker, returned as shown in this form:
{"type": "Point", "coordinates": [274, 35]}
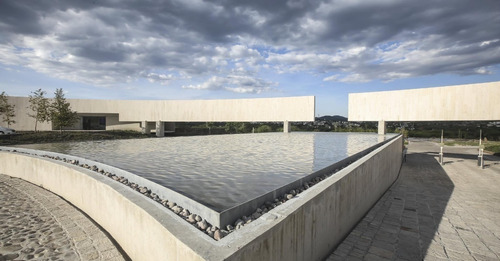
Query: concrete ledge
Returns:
{"type": "Point", "coordinates": [306, 227]}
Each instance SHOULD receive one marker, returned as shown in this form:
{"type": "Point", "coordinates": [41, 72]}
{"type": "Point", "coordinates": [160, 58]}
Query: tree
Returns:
{"type": "Point", "coordinates": [40, 106]}
{"type": "Point", "coordinates": [264, 128]}
{"type": "Point", "coordinates": [210, 125]}
{"type": "Point", "coordinates": [61, 113]}
{"type": "Point", "coordinates": [7, 110]}
{"type": "Point", "coordinates": [9, 115]}
{"type": "Point", "coordinates": [3, 102]}
{"type": "Point", "coordinates": [235, 127]}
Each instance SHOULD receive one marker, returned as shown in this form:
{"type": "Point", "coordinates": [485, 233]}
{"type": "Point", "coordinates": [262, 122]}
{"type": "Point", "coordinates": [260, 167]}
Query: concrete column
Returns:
{"type": "Point", "coordinates": [145, 128]}
{"type": "Point", "coordinates": [160, 129]}
{"type": "Point", "coordinates": [287, 127]}
{"type": "Point", "coordinates": [381, 127]}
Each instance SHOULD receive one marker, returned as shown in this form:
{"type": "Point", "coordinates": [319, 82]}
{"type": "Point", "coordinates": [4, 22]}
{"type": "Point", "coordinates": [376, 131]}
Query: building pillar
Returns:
{"type": "Point", "coordinates": [287, 127]}
{"type": "Point", "coordinates": [160, 129]}
{"type": "Point", "coordinates": [145, 128]}
{"type": "Point", "coordinates": [381, 127]}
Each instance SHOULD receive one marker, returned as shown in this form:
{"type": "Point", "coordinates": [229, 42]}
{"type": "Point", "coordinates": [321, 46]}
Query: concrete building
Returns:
{"type": "Point", "coordinates": [161, 115]}
{"type": "Point", "coordinates": [469, 102]}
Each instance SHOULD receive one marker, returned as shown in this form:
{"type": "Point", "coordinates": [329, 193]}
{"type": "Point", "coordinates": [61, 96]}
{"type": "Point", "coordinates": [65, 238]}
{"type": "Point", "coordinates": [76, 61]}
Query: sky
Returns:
{"type": "Point", "coordinates": [232, 49]}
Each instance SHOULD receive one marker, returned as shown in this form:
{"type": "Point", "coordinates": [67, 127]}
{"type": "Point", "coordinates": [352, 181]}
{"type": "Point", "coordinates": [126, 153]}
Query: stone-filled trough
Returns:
{"type": "Point", "coordinates": [186, 218]}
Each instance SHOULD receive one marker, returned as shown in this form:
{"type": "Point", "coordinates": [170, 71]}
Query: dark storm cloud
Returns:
{"type": "Point", "coordinates": [229, 42]}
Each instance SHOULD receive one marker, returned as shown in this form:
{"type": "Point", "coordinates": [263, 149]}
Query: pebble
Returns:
{"type": "Point", "coordinates": [202, 225]}
{"type": "Point", "coordinates": [191, 218]}
{"type": "Point", "coordinates": [198, 218]}
{"type": "Point", "coordinates": [256, 215]}
{"type": "Point", "coordinates": [177, 209]}
{"type": "Point", "coordinates": [289, 196]}
{"type": "Point", "coordinates": [185, 213]}
{"type": "Point", "coordinates": [171, 204]}
{"type": "Point", "coordinates": [238, 222]}
{"type": "Point", "coordinates": [218, 235]}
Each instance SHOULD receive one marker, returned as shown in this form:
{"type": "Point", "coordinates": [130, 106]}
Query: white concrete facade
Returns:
{"type": "Point", "coordinates": [469, 102]}
{"type": "Point", "coordinates": [136, 114]}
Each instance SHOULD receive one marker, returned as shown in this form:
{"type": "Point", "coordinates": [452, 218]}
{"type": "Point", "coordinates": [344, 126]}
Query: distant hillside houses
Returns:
{"type": "Point", "coordinates": [494, 124]}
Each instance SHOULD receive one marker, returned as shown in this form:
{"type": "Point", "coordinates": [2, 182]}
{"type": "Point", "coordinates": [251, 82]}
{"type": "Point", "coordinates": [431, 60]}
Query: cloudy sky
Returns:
{"type": "Point", "coordinates": [193, 49]}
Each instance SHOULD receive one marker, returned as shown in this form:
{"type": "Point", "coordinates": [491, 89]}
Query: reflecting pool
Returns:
{"type": "Point", "coordinates": [222, 171]}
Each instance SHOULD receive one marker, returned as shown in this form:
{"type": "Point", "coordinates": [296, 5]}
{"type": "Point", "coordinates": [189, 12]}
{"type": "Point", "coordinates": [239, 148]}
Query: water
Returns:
{"type": "Point", "coordinates": [222, 171]}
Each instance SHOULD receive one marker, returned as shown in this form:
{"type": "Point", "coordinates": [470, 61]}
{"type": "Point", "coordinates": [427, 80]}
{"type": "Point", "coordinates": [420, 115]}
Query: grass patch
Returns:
{"type": "Point", "coordinates": [67, 136]}
{"type": "Point", "coordinates": [494, 148]}
{"type": "Point", "coordinates": [462, 143]}
{"type": "Point", "coordinates": [491, 146]}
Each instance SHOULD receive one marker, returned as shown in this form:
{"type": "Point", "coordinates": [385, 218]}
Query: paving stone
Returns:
{"type": "Point", "coordinates": [438, 212]}
{"type": "Point", "coordinates": [374, 257]}
{"type": "Point", "coordinates": [459, 256]}
{"type": "Point", "coordinates": [381, 252]}
{"type": "Point", "coordinates": [46, 226]}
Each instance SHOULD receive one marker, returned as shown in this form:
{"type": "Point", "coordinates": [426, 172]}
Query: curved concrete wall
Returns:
{"type": "Point", "coordinates": [469, 102]}
{"type": "Point", "coordinates": [306, 227]}
{"type": "Point", "coordinates": [126, 112]}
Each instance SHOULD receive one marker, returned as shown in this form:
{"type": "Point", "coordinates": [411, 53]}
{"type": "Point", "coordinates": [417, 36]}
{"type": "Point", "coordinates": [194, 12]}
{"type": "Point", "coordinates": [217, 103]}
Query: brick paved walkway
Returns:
{"type": "Point", "coordinates": [433, 212]}
{"type": "Point", "coordinates": [36, 224]}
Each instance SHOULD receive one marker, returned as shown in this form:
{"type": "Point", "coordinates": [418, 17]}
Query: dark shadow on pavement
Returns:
{"type": "Point", "coordinates": [426, 189]}
{"type": "Point", "coordinates": [403, 223]}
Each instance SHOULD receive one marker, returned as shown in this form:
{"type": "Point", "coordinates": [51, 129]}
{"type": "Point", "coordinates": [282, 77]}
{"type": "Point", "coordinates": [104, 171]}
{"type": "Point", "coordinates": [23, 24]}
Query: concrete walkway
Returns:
{"type": "Point", "coordinates": [433, 212]}
{"type": "Point", "coordinates": [36, 224]}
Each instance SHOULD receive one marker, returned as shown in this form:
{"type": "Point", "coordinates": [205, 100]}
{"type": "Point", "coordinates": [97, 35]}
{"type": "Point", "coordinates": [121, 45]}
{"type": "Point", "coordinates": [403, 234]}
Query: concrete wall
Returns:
{"type": "Point", "coordinates": [306, 227]}
{"type": "Point", "coordinates": [136, 111]}
{"type": "Point", "coordinates": [113, 123]}
{"type": "Point", "coordinates": [470, 102]}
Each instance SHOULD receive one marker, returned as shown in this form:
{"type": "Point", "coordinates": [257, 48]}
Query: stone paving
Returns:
{"type": "Point", "coordinates": [433, 212]}
{"type": "Point", "coordinates": [36, 224]}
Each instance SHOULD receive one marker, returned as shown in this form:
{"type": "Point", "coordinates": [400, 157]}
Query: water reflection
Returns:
{"type": "Point", "coordinates": [225, 170]}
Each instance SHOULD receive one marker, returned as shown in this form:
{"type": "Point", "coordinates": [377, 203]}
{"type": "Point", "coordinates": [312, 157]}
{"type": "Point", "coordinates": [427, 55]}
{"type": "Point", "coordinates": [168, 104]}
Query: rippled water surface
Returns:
{"type": "Point", "coordinates": [222, 171]}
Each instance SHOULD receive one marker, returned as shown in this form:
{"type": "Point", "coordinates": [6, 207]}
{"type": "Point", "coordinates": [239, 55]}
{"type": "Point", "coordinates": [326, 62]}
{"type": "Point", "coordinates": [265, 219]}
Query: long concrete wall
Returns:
{"type": "Point", "coordinates": [470, 102]}
{"type": "Point", "coordinates": [131, 112]}
{"type": "Point", "coordinates": [306, 227]}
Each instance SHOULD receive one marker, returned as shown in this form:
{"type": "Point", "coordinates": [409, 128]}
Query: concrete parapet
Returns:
{"type": "Point", "coordinates": [307, 227]}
